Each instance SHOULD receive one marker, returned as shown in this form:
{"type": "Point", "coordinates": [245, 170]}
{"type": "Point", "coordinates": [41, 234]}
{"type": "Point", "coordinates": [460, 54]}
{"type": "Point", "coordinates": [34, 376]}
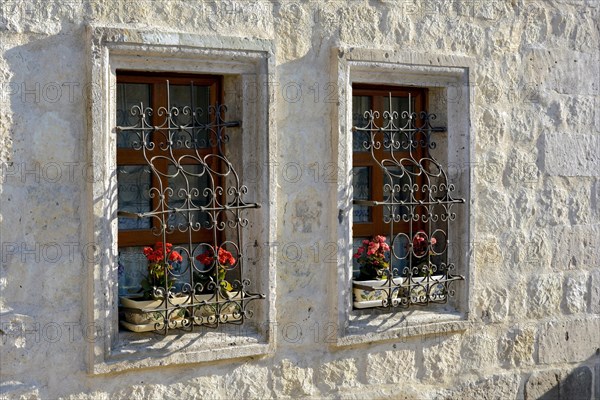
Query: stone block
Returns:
{"type": "Point", "coordinates": [568, 341]}
{"type": "Point", "coordinates": [576, 293]}
{"type": "Point", "coordinates": [338, 374]}
{"type": "Point", "coordinates": [248, 382]}
{"type": "Point", "coordinates": [441, 359]}
{"type": "Point", "coordinates": [479, 351]}
{"type": "Point", "coordinates": [293, 380]}
{"type": "Point", "coordinates": [531, 253]}
{"type": "Point", "coordinates": [517, 347]}
{"type": "Point", "coordinates": [576, 247]}
{"type": "Point", "coordinates": [495, 387]}
{"type": "Point", "coordinates": [551, 201]}
{"type": "Point", "coordinates": [545, 293]}
{"type": "Point", "coordinates": [543, 385]}
{"type": "Point", "coordinates": [493, 304]}
{"type": "Point", "coordinates": [582, 159]}
{"type": "Point", "coordinates": [391, 367]}
{"type": "Point", "coordinates": [595, 292]}
{"type": "Point", "coordinates": [521, 170]}
{"type": "Point", "coordinates": [577, 384]}
{"type": "Point", "coordinates": [561, 72]}
{"type": "Point", "coordinates": [597, 382]}
{"type": "Point", "coordinates": [560, 385]}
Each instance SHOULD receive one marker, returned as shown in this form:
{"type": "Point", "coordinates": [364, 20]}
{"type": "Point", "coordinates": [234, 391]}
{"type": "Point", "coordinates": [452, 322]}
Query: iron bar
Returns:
{"type": "Point", "coordinates": [206, 297]}
{"type": "Point", "coordinates": [420, 272]}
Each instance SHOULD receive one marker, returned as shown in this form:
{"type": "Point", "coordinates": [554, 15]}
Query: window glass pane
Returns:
{"type": "Point", "coordinates": [360, 104]}
{"type": "Point", "coordinates": [399, 104]}
{"type": "Point", "coordinates": [128, 96]}
{"type": "Point", "coordinates": [361, 185]}
{"type": "Point", "coordinates": [398, 255]}
{"type": "Point", "coordinates": [395, 190]}
{"type": "Point", "coordinates": [133, 186]}
{"type": "Point", "coordinates": [132, 269]}
{"type": "Point", "coordinates": [192, 104]}
{"type": "Point", "coordinates": [191, 180]}
{"type": "Point", "coordinates": [356, 243]}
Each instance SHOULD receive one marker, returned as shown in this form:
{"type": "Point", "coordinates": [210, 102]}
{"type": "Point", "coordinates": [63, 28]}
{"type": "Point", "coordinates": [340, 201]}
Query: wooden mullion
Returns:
{"type": "Point", "coordinates": [159, 99]}
{"type": "Point", "coordinates": [420, 105]}
{"type": "Point", "coordinates": [363, 230]}
{"type": "Point", "coordinates": [377, 173]}
{"type": "Point", "coordinates": [126, 156]}
{"type": "Point", "coordinates": [215, 99]}
{"type": "Point", "coordinates": [146, 237]}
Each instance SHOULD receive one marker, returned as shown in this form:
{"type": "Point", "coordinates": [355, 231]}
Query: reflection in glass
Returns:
{"type": "Point", "coordinates": [356, 243]}
{"type": "Point", "coordinates": [190, 180]}
{"type": "Point", "coordinates": [399, 257]}
{"type": "Point", "coordinates": [399, 139]}
{"type": "Point", "coordinates": [397, 191]}
{"type": "Point", "coordinates": [399, 104]}
{"type": "Point", "coordinates": [191, 103]}
{"type": "Point", "coordinates": [360, 104]}
{"type": "Point", "coordinates": [132, 267]}
{"type": "Point", "coordinates": [133, 187]}
{"type": "Point", "coordinates": [128, 96]}
{"type": "Point", "coordinates": [361, 186]}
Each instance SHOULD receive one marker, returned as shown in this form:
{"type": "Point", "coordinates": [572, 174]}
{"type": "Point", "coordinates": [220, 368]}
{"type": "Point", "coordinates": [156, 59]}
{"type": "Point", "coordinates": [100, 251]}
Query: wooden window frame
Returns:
{"type": "Point", "coordinates": [379, 95]}
{"type": "Point", "coordinates": [128, 156]}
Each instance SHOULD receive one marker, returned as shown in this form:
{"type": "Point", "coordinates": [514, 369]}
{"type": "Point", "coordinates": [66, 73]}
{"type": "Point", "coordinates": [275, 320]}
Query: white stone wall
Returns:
{"type": "Point", "coordinates": [535, 112]}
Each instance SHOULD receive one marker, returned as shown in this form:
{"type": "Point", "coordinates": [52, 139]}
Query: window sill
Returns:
{"type": "Point", "coordinates": [367, 326]}
{"type": "Point", "coordinates": [148, 350]}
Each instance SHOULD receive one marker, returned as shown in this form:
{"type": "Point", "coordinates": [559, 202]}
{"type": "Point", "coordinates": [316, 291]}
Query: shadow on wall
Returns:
{"type": "Point", "coordinates": [43, 199]}
{"type": "Point", "coordinates": [581, 383]}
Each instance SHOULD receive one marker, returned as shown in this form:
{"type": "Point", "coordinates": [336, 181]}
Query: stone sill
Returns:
{"type": "Point", "coordinates": [149, 350]}
{"type": "Point", "coordinates": [366, 327]}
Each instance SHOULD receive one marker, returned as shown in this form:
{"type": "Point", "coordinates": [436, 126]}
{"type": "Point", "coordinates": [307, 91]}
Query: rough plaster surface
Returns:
{"type": "Point", "coordinates": [536, 109]}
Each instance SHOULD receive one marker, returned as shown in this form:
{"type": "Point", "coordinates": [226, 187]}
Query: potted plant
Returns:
{"type": "Point", "coordinates": [372, 286]}
{"type": "Point", "coordinates": [422, 250]}
{"type": "Point", "coordinates": [217, 294]}
{"type": "Point", "coordinates": [423, 279]}
{"type": "Point", "coordinates": [156, 303]}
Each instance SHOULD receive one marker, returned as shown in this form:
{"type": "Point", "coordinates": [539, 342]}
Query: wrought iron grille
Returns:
{"type": "Point", "coordinates": [418, 206]}
{"type": "Point", "coordinates": [187, 145]}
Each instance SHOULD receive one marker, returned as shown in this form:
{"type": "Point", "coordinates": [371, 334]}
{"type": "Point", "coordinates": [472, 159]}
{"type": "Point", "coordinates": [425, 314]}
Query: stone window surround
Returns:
{"type": "Point", "coordinates": [451, 77]}
{"type": "Point", "coordinates": [247, 66]}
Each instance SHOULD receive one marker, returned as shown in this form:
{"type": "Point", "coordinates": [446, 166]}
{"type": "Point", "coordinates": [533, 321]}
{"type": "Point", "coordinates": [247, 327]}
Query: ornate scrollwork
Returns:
{"type": "Point", "coordinates": [190, 142]}
{"type": "Point", "coordinates": [418, 195]}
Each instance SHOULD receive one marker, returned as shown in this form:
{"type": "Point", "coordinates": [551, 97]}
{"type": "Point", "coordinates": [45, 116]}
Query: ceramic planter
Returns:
{"type": "Point", "coordinates": [148, 313]}
{"type": "Point", "coordinates": [421, 286]}
{"type": "Point", "coordinates": [369, 294]}
{"type": "Point", "coordinates": [209, 312]}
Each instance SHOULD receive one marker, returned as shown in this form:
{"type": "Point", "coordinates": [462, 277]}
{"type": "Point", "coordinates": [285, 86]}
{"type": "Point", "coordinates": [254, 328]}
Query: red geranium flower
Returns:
{"type": "Point", "coordinates": [225, 257]}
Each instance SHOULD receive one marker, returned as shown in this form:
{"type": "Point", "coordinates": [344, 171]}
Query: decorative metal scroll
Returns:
{"type": "Point", "coordinates": [418, 206]}
{"type": "Point", "coordinates": [187, 146]}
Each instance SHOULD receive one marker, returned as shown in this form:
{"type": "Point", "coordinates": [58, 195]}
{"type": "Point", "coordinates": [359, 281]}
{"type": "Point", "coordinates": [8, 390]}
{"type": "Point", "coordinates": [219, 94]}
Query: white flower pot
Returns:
{"type": "Point", "coordinates": [143, 312]}
{"type": "Point", "coordinates": [208, 313]}
{"type": "Point", "coordinates": [369, 294]}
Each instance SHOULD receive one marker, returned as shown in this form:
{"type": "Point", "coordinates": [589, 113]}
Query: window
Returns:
{"type": "Point", "coordinates": [402, 200]}
{"type": "Point", "coordinates": [370, 182]}
{"type": "Point", "coordinates": [181, 205]}
{"type": "Point", "coordinates": [240, 71]}
{"type": "Point", "coordinates": [440, 85]}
